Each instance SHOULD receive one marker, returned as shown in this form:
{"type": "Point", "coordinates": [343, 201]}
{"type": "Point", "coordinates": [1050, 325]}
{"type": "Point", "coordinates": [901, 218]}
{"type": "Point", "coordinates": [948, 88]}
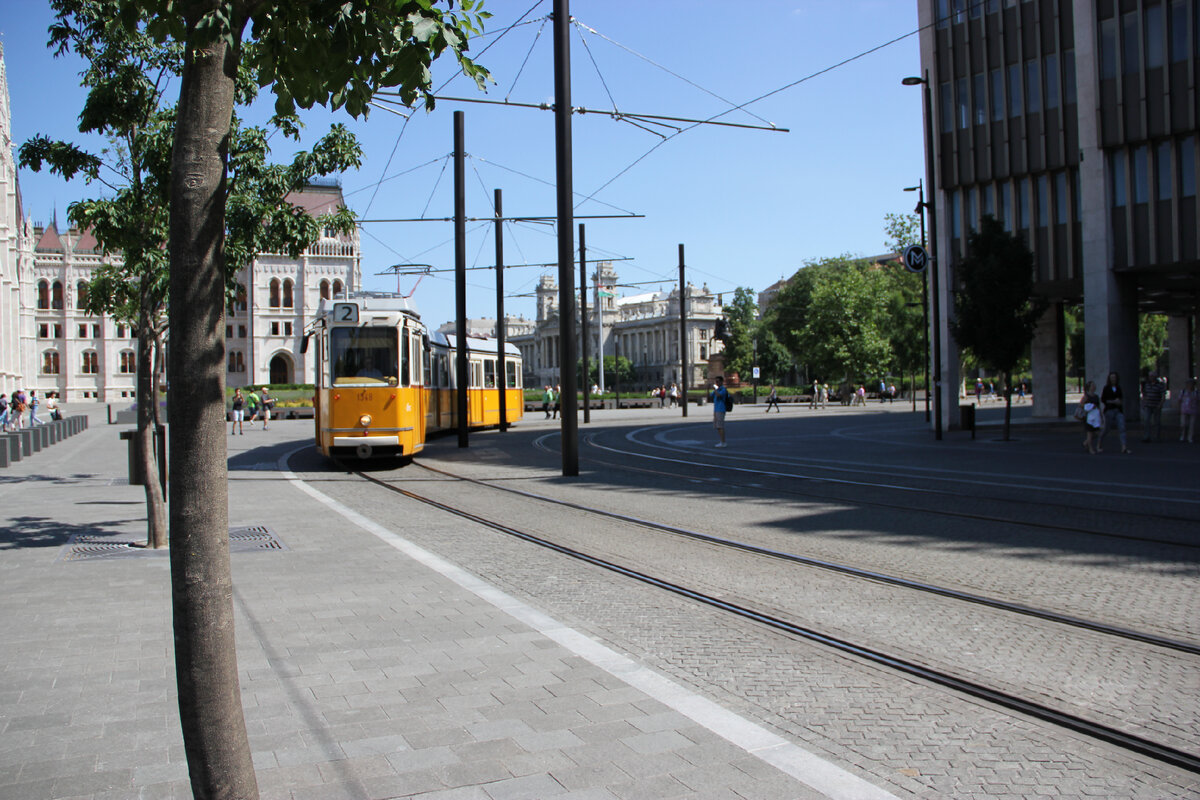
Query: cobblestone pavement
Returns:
{"type": "Point", "coordinates": [371, 669]}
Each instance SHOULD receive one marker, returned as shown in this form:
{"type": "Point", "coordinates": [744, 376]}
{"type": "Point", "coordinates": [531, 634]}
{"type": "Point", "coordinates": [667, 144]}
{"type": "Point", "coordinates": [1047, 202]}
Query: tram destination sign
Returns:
{"type": "Point", "coordinates": [915, 258]}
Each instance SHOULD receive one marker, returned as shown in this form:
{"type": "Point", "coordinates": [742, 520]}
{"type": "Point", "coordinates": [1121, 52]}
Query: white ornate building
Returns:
{"type": "Point", "coordinates": [643, 329]}
{"type": "Point", "coordinates": [48, 343]}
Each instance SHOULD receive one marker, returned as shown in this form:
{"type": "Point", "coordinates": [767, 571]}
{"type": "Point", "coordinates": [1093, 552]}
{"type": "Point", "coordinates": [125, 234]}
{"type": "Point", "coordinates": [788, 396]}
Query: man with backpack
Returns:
{"type": "Point", "coordinates": [722, 402]}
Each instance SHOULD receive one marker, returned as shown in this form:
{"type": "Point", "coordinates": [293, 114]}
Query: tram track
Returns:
{"type": "Point", "coordinates": [1144, 518]}
{"type": "Point", "coordinates": [1124, 739]}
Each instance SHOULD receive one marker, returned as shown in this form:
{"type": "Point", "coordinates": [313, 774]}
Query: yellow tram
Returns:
{"type": "Point", "coordinates": [384, 382]}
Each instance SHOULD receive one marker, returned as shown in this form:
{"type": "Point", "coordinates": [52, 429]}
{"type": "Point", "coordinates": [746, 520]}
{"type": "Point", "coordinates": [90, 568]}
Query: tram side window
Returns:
{"type": "Point", "coordinates": [426, 364]}
{"type": "Point", "coordinates": [489, 373]}
{"type": "Point", "coordinates": [363, 355]}
{"type": "Point", "coordinates": [405, 378]}
{"type": "Point", "coordinates": [475, 376]}
{"type": "Point", "coordinates": [444, 368]}
{"type": "Point", "coordinates": [511, 374]}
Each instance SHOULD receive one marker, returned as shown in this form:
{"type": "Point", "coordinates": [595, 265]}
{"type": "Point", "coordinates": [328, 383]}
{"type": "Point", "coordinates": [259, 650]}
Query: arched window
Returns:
{"type": "Point", "coordinates": [91, 363]}
{"type": "Point", "coordinates": [240, 303]}
{"type": "Point", "coordinates": [128, 362]}
{"type": "Point", "coordinates": [43, 296]}
{"type": "Point", "coordinates": [274, 297]}
{"type": "Point", "coordinates": [50, 362]}
{"type": "Point", "coordinates": [81, 295]}
{"type": "Point", "coordinates": [56, 296]}
{"type": "Point", "coordinates": [325, 290]}
{"type": "Point", "coordinates": [236, 361]}
{"type": "Point", "coordinates": [287, 293]}
{"type": "Point", "coordinates": [338, 289]}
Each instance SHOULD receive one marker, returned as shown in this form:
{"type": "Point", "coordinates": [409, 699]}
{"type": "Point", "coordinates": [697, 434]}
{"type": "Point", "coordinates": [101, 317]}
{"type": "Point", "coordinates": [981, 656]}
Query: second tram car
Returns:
{"type": "Point", "coordinates": [384, 383]}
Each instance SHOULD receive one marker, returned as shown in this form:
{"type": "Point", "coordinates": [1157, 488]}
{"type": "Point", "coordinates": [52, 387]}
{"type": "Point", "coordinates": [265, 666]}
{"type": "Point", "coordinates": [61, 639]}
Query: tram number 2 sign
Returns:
{"type": "Point", "coordinates": [915, 258]}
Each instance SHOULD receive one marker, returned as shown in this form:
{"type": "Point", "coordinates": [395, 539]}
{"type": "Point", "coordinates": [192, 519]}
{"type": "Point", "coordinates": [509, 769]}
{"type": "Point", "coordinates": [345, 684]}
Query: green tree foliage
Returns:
{"type": "Point", "coordinates": [1152, 342]}
{"type": "Point", "coordinates": [902, 230]}
{"type": "Point", "coordinates": [832, 316]}
{"type": "Point", "coordinates": [741, 315]}
{"type": "Point", "coordinates": [612, 366]}
{"type": "Point", "coordinates": [335, 54]}
{"type": "Point", "coordinates": [995, 308]}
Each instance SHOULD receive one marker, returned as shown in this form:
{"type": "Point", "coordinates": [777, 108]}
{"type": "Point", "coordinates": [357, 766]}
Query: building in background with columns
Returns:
{"type": "Point", "coordinates": [1074, 123]}
{"type": "Point", "coordinates": [16, 250]}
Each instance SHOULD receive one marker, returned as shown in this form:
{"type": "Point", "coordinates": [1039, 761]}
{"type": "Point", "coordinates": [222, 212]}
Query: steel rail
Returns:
{"type": "Point", "coordinates": [1127, 741]}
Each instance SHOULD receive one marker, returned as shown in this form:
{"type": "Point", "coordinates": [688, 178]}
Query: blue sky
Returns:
{"type": "Point", "coordinates": [750, 206]}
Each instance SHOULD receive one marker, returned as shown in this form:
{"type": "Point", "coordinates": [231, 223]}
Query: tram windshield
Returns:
{"type": "Point", "coordinates": [364, 356]}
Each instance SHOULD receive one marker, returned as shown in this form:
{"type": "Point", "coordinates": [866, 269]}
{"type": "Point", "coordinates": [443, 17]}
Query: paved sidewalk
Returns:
{"type": "Point", "coordinates": [369, 668]}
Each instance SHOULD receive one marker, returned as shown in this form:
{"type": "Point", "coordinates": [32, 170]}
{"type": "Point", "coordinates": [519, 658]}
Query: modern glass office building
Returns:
{"type": "Point", "coordinates": [1074, 122]}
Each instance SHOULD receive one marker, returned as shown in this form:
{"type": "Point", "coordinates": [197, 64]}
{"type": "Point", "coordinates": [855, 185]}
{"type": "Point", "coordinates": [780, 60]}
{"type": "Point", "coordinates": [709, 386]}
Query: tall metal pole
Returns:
{"type": "Point", "coordinates": [924, 295]}
{"type": "Point", "coordinates": [934, 262]}
{"type": "Point", "coordinates": [460, 276]}
{"type": "Point", "coordinates": [683, 348]}
{"type": "Point", "coordinates": [584, 333]}
{"type": "Point", "coordinates": [599, 328]}
{"type": "Point", "coordinates": [501, 360]}
{"type": "Point", "coordinates": [566, 244]}
{"type": "Point", "coordinates": [617, 367]}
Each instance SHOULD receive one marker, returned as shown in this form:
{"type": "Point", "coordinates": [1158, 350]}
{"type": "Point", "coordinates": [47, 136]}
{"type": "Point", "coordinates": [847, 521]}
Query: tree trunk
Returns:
{"type": "Point", "coordinates": [147, 405]}
{"type": "Point", "coordinates": [210, 707]}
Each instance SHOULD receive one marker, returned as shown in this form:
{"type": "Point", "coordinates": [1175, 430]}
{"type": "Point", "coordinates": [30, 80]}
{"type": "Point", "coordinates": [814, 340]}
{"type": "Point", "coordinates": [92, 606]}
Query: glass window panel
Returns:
{"type": "Point", "coordinates": [1141, 174]}
{"type": "Point", "coordinates": [1108, 48]}
{"type": "Point", "coordinates": [980, 98]}
{"type": "Point", "coordinates": [947, 107]}
{"type": "Point", "coordinates": [1131, 61]}
{"type": "Point", "coordinates": [1023, 203]}
{"type": "Point", "coordinates": [1162, 161]}
{"type": "Point", "coordinates": [1043, 201]}
{"type": "Point", "coordinates": [1015, 105]}
{"type": "Point", "coordinates": [997, 95]}
{"type": "Point", "coordinates": [960, 91]}
{"type": "Point", "coordinates": [943, 13]}
{"type": "Point", "coordinates": [1154, 36]}
{"type": "Point", "coordinates": [1052, 81]}
{"type": "Point", "coordinates": [1187, 167]}
{"type": "Point", "coordinates": [1060, 198]}
{"type": "Point", "coordinates": [363, 353]}
{"type": "Point", "coordinates": [1005, 206]}
{"type": "Point", "coordinates": [1117, 165]}
{"type": "Point", "coordinates": [1179, 31]}
{"type": "Point", "coordinates": [972, 210]}
{"type": "Point", "coordinates": [989, 201]}
{"type": "Point", "coordinates": [1076, 196]}
{"type": "Point", "coordinates": [1033, 87]}
{"type": "Point", "coordinates": [956, 215]}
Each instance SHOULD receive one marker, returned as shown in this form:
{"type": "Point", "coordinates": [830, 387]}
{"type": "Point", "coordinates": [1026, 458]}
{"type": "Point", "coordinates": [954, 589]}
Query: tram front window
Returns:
{"type": "Point", "coordinates": [364, 355]}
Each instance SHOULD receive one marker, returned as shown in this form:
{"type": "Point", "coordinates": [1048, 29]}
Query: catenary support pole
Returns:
{"type": "Point", "coordinates": [501, 359]}
{"type": "Point", "coordinates": [583, 326]}
{"type": "Point", "coordinates": [460, 277]}
{"type": "Point", "coordinates": [683, 348]}
{"type": "Point", "coordinates": [566, 244]}
{"type": "Point", "coordinates": [934, 261]}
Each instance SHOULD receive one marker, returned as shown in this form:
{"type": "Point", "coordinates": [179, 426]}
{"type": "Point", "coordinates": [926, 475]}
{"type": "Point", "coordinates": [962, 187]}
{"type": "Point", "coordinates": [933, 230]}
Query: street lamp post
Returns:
{"type": "Point", "coordinates": [930, 169]}
{"type": "Point", "coordinates": [920, 190]}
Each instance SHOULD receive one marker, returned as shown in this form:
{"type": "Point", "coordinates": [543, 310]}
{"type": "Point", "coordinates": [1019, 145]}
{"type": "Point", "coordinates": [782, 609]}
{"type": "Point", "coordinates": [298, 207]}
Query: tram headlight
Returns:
{"type": "Point", "coordinates": [364, 420]}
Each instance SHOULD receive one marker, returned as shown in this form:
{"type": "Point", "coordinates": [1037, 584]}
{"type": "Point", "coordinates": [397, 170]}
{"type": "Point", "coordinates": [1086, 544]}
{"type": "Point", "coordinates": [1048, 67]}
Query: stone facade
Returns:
{"type": "Point", "coordinates": [642, 328]}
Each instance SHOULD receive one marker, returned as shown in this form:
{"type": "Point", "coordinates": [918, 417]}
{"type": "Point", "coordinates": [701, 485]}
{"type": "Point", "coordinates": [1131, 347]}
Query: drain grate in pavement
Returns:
{"type": "Point", "coordinates": [93, 547]}
{"type": "Point", "coordinates": [118, 482]}
{"type": "Point", "coordinates": [254, 537]}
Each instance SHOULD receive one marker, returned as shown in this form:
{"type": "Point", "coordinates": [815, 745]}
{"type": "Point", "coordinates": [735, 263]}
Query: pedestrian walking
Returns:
{"type": "Point", "coordinates": [547, 399]}
{"type": "Point", "coordinates": [557, 399]}
{"type": "Point", "coordinates": [52, 406]}
{"type": "Point", "coordinates": [1189, 409]}
{"type": "Point", "coordinates": [17, 409]}
{"type": "Point", "coordinates": [252, 407]}
{"type": "Point", "coordinates": [239, 412]}
{"type": "Point", "coordinates": [3, 411]}
{"type": "Point", "coordinates": [822, 394]}
{"type": "Point", "coordinates": [266, 403]}
{"type": "Point", "coordinates": [773, 400]}
{"type": "Point", "coordinates": [1112, 400]}
{"type": "Point", "coordinates": [1090, 414]}
{"type": "Point", "coordinates": [1154, 394]}
{"type": "Point", "coordinates": [719, 397]}
{"type": "Point", "coordinates": [812, 400]}
{"type": "Point", "coordinates": [33, 408]}
{"type": "Point", "coordinates": [860, 397]}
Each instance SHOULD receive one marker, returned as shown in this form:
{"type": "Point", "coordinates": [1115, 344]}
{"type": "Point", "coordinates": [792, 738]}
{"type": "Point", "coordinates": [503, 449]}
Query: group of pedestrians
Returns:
{"type": "Point", "coordinates": [255, 405]}
{"type": "Point", "coordinates": [1105, 411]}
{"type": "Point", "coordinates": [551, 400]}
{"type": "Point", "coordinates": [13, 409]}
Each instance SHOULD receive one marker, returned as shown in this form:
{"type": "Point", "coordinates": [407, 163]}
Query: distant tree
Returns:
{"type": "Point", "coordinates": [614, 367]}
{"type": "Point", "coordinates": [996, 312]}
{"type": "Point", "coordinates": [902, 230]}
{"type": "Point", "coordinates": [741, 315]}
{"type": "Point", "coordinates": [844, 337]}
{"type": "Point", "coordinates": [1152, 341]}
{"type": "Point", "coordinates": [1073, 319]}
